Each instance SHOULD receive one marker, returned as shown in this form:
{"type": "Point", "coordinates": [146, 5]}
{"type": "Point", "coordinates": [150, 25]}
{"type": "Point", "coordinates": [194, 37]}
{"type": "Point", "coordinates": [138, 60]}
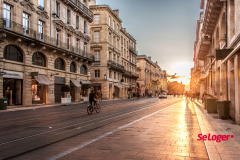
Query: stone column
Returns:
{"type": "Point", "coordinates": [1, 87]}
{"type": "Point", "coordinates": [27, 85]}
{"type": "Point", "coordinates": [237, 88]}
{"type": "Point", "coordinates": [223, 82]}
{"type": "Point", "coordinates": [231, 87]}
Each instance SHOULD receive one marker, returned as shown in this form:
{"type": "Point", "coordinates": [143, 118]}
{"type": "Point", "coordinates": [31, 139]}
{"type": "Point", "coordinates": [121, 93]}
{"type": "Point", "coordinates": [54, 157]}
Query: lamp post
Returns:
{"type": "Point", "coordinates": [105, 76]}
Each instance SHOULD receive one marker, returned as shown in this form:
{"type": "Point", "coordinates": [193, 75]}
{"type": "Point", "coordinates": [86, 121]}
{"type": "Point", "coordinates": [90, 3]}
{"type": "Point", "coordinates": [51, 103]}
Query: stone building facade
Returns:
{"type": "Point", "coordinates": [114, 69]}
{"type": "Point", "coordinates": [216, 57]}
{"type": "Point", "coordinates": [152, 79]}
{"type": "Point", "coordinates": [44, 45]}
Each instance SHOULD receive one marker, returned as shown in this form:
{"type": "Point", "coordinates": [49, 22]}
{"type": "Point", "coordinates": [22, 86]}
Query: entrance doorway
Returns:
{"type": "Point", "coordinates": [12, 89]}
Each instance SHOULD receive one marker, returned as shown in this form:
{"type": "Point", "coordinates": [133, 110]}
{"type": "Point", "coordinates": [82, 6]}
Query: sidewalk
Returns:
{"type": "Point", "coordinates": [209, 123]}
{"type": "Point", "coordinates": [20, 107]}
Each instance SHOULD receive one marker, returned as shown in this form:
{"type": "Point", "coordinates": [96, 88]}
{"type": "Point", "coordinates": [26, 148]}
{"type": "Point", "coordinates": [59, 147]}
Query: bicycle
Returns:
{"type": "Point", "coordinates": [91, 108]}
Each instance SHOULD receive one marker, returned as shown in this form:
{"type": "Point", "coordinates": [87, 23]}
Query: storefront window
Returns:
{"type": "Point", "coordinates": [37, 92]}
{"type": "Point", "coordinates": [13, 91]}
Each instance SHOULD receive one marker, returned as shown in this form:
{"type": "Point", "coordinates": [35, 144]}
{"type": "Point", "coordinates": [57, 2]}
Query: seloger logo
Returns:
{"type": "Point", "coordinates": [217, 138]}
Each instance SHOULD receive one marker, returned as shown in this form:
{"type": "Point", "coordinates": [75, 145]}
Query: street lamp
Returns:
{"type": "Point", "coordinates": [105, 76]}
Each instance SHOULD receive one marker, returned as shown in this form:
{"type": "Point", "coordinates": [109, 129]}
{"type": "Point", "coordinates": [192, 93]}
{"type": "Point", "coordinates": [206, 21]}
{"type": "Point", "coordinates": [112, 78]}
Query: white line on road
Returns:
{"type": "Point", "coordinates": [104, 135]}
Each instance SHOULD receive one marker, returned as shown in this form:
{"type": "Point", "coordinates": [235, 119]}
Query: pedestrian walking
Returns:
{"type": "Point", "coordinates": [101, 96]}
{"type": "Point", "coordinates": [113, 95]}
{"type": "Point", "coordinates": [134, 96]}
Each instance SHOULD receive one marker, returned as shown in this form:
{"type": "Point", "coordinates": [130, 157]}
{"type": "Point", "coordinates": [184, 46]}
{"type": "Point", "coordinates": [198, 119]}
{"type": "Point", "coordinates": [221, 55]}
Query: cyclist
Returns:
{"type": "Point", "coordinates": [91, 98]}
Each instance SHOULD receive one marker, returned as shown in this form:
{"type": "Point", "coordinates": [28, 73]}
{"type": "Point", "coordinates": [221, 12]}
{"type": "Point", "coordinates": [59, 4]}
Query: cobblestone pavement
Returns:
{"type": "Point", "coordinates": [169, 134]}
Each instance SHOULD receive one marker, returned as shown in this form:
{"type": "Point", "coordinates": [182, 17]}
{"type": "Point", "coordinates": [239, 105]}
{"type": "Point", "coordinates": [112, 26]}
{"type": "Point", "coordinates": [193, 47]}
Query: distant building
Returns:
{"type": "Point", "coordinates": [176, 88]}
{"type": "Point", "coordinates": [152, 78]}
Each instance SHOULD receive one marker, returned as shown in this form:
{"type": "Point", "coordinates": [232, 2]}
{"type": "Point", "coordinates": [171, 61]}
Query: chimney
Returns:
{"type": "Point", "coordinates": [116, 11]}
{"type": "Point", "coordinates": [149, 57]}
{"type": "Point", "coordinates": [92, 2]}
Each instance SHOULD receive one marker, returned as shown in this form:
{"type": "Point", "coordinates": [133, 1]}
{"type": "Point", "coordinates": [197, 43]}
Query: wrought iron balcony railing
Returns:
{"type": "Point", "coordinates": [135, 75]}
{"type": "Point", "coordinates": [115, 65]}
{"type": "Point", "coordinates": [133, 50]}
{"type": "Point", "coordinates": [127, 73]}
{"type": "Point", "coordinates": [35, 35]}
{"type": "Point", "coordinates": [82, 8]}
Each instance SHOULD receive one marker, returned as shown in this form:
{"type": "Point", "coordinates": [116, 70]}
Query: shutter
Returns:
{"type": "Point", "coordinates": [96, 36]}
{"type": "Point", "coordinates": [96, 19]}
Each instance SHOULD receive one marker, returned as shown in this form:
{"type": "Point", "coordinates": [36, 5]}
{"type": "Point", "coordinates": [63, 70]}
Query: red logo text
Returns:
{"type": "Point", "coordinates": [217, 138]}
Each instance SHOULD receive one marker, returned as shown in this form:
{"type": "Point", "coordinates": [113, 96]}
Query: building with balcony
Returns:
{"type": "Point", "coordinates": [217, 52]}
{"type": "Point", "coordinates": [152, 79]}
{"type": "Point", "coordinates": [115, 63]}
{"type": "Point", "coordinates": [44, 45]}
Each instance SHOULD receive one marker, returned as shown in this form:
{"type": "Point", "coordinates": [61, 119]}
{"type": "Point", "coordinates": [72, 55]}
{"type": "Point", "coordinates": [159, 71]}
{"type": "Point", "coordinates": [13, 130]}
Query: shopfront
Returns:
{"type": "Point", "coordinates": [74, 85]}
{"type": "Point", "coordinates": [58, 83]}
{"type": "Point", "coordinates": [12, 87]}
{"type": "Point", "coordinates": [39, 88]}
{"type": "Point", "coordinates": [97, 87]}
{"type": "Point", "coordinates": [85, 86]}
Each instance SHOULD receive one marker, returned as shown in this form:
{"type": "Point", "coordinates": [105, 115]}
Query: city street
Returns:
{"type": "Point", "coordinates": [149, 128]}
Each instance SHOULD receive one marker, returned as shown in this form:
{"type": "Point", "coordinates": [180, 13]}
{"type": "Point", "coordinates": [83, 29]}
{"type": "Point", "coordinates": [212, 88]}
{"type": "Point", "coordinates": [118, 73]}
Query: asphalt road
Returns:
{"type": "Point", "coordinates": [61, 131]}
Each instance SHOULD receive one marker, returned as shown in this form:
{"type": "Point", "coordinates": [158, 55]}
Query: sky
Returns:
{"type": "Point", "coordinates": [164, 30]}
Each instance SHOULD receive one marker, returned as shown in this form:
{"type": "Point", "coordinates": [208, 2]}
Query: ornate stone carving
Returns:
{"type": "Point", "coordinates": [28, 5]}
{"type": "Point", "coordinates": [43, 14]}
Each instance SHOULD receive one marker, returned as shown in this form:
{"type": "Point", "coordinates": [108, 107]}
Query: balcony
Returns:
{"type": "Point", "coordinates": [133, 50]}
{"type": "Point", "coordinates": [135, 75]}
{"type": "Point", "coordinates": [29, 35]}
{"type": "Point", "coordinates": [127, 73]}
{"type": "Point", "coordinates": [203, 47]}
{"type": "Point", "coordinates": [81, 8]}
{"type": "Point", "coordinates": [115, 66]}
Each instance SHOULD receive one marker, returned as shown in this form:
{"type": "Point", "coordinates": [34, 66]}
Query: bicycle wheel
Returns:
{"type": "Point", "coordinates": [98, 108]}
{"type": "Point", "coordinates": [89, 110]}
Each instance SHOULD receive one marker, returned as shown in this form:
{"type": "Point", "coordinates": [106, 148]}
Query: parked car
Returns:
{"type": "Point", "coordinates": [162, 95]}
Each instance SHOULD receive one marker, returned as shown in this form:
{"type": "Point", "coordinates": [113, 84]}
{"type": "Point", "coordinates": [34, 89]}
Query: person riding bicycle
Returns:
{"type": "Point", "coordinates": [91, 98]}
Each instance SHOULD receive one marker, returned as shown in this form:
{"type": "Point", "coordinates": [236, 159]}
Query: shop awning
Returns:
{"type": "Point", "coordinates": [75, 82]}
{"type": "Point", "coordinates": [119, 87]}
{"type": "Point", "coordinates": [84, 82]}
{"type": "Point", "coordinates": [43, 79]}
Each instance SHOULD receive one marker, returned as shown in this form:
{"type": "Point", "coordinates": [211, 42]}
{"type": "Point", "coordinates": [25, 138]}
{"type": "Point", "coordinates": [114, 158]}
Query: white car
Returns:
{"type": "Point", "coordinates": [162, 95]}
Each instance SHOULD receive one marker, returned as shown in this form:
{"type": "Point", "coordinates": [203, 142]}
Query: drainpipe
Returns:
{"type": "Point", "coordinates": [226, 36]}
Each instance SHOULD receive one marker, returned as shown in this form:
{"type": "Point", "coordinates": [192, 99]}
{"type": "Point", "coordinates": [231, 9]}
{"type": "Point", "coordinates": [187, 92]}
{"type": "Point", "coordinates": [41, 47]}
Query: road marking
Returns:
{"type": "Point", "coordinates": [104, 135]}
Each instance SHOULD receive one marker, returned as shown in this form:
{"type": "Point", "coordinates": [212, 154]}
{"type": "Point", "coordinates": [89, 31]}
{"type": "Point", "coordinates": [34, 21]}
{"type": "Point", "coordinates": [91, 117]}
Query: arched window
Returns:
{"type": "Point", "coordinates": [13, 53]}
{"type": "Point", "coordinates": [72, 67]}
{"type": "Point", "coordinates": [59, 64]}
{"type": "Point", "coordinates": [38, 59]}
{"type": "Point", "coordinates": [83, 70]}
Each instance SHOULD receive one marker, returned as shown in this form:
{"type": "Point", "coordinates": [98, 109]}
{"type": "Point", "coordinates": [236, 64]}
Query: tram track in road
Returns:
{"type": "Point", "coordinates": [21, 122]}
{"type": "Point", "coordinates": [96, 123]}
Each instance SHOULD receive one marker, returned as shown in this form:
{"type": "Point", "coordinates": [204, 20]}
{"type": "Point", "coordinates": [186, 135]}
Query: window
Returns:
{"type": "Point", "coordinates": [7, 15]}
{"type": "Point", "coordinates": [41, 4]}
{"type": "Point", "coordinates": [84, 50]}
{"type": "Point", "coordinates": [114, 75]}
{"type": "Point", "coordinates": [118, 76]}
{"type": "Point", "coordinates": [72, 67]}
{"type": "Point", "coordinates": [57, 38]}
{"type": "Point", "coordinates": [109, 56]}
{"type": "Point", "coordinates": [110, 74]}
{"type": "Point", "coordinates": [117, 28]}
{"type": "Point", "coordinates": [114, 59]}
{"type": "Point", "coordinates": [109, 38]}
{"type": "Point", "coordinates": [117, 43]}
{"type": "Point", "coordinates": [77, 45]}
{"type": "Point", "coordinates": [38, 59]}
{"type": "Point", "coordinates": [83, 70]}
{"type": "Point", "coordinates": [13, 53]}
{"type": "Point", "coordinates": [109, 21]}
{"type": "Point", "coordinates": [40, 30]}
{"type": "Point", "coordinates": [68, 16]}
{"type": "Point", "coordinates": [68, 42]}
{"type": "Point", "coordinates": [85, 27]}
{"type": "Point", "coordinates": [77, 22]}
{"type": "Point", "coordinates": [84, 2]}
{"type": "Point", "coordinates": [59, 64]}
{"type": "Point", "coordinates": [58, 9]}
{"type": "Point", "coordinates": [97, 57]}
{"type": "Point", "coordinates": [113, 41]}
{"type": "Point", "coordinates": [96, 19]}
{"type": "Point", "coordinates": [26, 20]}
{"type": "Point", "coordinates": [96, 36]}
{"type": "Point", "coordinates": [113, 25]}
{"type": "Point", "coordinates": [97, 73]}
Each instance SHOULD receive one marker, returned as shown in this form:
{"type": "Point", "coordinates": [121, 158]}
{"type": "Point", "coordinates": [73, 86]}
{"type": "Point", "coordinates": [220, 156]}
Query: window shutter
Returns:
{"type": "Point", "coordinates": [96, 19]}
